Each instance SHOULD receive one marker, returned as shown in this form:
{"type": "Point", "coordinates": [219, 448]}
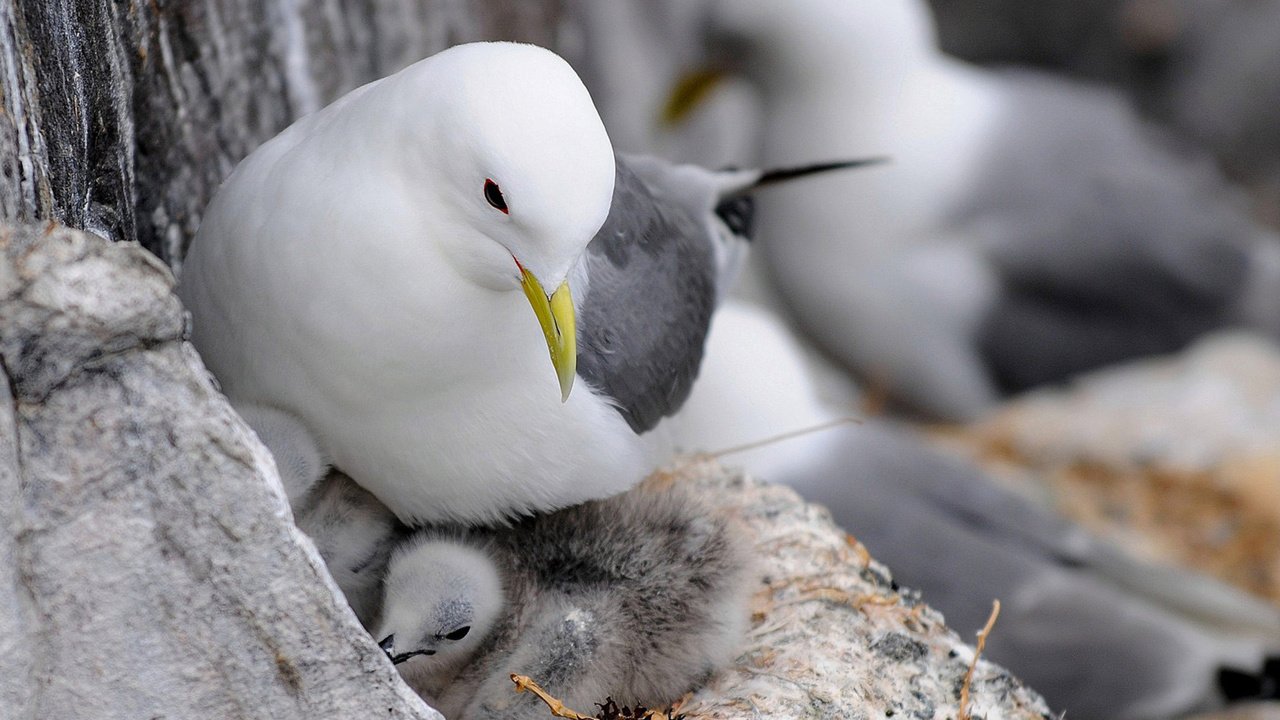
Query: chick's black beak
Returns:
{"type": "Point", "coordinates": [402, 657]}
{"type": "Point", "coordinates": [388, 645]}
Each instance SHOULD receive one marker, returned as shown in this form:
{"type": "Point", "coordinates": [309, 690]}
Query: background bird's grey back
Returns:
{"type": "Point", "coordinates": [1111, 241]}
{"type": "Point", "coordinates": [1223, 85]}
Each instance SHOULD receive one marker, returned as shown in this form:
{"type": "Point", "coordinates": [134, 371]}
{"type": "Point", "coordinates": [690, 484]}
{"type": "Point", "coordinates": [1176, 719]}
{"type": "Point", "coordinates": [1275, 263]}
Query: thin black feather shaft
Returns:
{"type": "Point", "coordinates": [779, 175]}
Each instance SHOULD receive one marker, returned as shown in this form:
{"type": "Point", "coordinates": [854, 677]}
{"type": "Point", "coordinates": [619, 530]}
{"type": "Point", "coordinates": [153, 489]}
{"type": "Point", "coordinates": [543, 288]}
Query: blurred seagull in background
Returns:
{"type": "Point", "coordinates": [370, 272]}
{"type": "Point", "coordinates": [1026, 229]}
{"type": "Point", "coordinates": [628, 54]}
{"type": "Point", "coordinates": [1100, 633]}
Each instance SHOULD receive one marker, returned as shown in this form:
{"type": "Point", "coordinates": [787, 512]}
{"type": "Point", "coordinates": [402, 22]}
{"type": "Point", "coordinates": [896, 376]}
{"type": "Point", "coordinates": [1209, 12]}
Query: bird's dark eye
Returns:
{"type": "Point", "coordinates": [494, 195]}
{"type": "Point", "coordinates": [459, 633]}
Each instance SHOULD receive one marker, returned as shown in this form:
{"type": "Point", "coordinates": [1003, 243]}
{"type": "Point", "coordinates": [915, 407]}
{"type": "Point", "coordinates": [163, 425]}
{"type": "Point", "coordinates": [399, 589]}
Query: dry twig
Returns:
{"type": "Point", "coordinates": [783, 437]}
{"type": "Point", "coordinates": [608, 711]}
{"type": "Point", "coordinates": [557, 708]}
{"type": "Point", "coordinates": [977, 653]}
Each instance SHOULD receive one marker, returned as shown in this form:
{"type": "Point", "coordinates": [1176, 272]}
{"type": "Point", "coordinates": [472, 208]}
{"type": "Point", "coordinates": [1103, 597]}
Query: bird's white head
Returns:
{"type": "Point", "coordinates": [511, 167]}
{"type": "Point", "coordinates": [522, 156]}
{"type": "Point", "coordinates": [441, 599]}
{"type": "Point", "coordinates": [810, 40]}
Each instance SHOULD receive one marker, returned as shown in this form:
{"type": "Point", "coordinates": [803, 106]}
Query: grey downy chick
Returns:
{"type": "Point", "coordinates": [353, 532]}
{"type": "Point", "coordinates": [442, 597]}
{"type": "Point", "coordinates": [640, 597]}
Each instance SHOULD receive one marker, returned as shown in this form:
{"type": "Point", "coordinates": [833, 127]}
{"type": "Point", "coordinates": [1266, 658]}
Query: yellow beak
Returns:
{"type": "Point", "coordinates": [688, 93]}
{"type": "Point", "coordinates": [555, 315]}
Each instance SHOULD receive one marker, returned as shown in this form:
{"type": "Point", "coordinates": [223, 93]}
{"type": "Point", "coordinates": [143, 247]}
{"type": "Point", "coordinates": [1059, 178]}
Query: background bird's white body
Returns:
{"type": "Point", "coordinates": [758, 383]}
{"type": "Point", "coordinates": [885, 91]}
{"type": "Point", "coordinates": [338, 276]}
{"type": "Point", "coordinates": [864, 79]}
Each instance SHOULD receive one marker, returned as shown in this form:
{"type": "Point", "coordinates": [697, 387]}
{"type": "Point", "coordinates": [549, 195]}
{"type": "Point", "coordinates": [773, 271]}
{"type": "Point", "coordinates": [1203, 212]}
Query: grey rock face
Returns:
{"type": "Point", "coordinates": [122, 118]}
{"type": "Point", "coordinates": [146, 568]}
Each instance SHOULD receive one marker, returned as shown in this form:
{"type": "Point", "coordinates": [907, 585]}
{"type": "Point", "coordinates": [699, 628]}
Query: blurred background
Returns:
{"type": "Point", "coordinates": [1056, 302]}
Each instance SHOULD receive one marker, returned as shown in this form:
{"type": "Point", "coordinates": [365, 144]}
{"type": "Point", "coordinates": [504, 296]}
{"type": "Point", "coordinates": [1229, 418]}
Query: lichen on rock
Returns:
{"type": "Point", "coordinates": [832, 635]}
{"type": "Point", "coordinates": [1173, 457]}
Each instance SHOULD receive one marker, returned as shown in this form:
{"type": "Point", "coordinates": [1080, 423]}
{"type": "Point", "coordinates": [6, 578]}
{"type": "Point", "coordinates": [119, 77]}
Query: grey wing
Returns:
{"type": "Point", "coordinates": [651, 277]}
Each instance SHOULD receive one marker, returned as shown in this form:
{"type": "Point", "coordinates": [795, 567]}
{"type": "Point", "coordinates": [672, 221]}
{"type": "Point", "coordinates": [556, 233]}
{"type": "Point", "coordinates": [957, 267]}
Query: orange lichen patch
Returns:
{"type": "Point", "coordinates": [858, 601]}
{"type": "Point", "coordinates": [860, 551]}
{"type": "Point", "coordinates": [1191, 518]}
{"type": "Point", "coordinates": [664, 478]}
{"type": "Point", "coordinates": [1223, 520]}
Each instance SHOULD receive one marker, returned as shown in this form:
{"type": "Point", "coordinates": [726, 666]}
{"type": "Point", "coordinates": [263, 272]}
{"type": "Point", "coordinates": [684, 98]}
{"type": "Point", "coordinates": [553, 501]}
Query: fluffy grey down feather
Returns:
{"type": "Point", "coordinates": [639, 597]}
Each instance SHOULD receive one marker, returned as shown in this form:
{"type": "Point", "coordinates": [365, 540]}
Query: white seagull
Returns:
{"type": "Point", "coordinates": [370, 272]}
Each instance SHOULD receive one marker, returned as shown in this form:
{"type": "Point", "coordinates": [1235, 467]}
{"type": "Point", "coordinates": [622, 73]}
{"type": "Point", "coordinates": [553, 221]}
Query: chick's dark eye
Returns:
{"type": "Point", "coordinates": [494, 195]}
{"type": "Point", "coordinates": [459, 633]}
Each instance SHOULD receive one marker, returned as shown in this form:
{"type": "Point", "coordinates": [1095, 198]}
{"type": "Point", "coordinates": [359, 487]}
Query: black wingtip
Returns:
{"type": "Point", "coordinates": [1237, 686]}
{"type": "Point", "coordinates": [778, 175]}
{"type": "Point", "coordinates": [737, 209]}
